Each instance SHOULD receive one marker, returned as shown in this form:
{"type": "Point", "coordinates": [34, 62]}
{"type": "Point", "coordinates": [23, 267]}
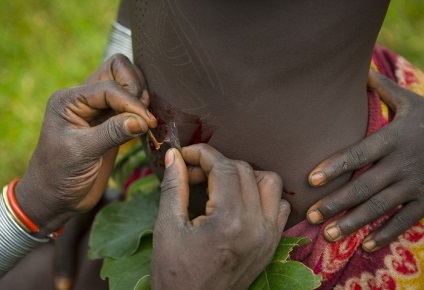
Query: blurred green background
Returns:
{"type": "Point", "coordinates": [47, 45]}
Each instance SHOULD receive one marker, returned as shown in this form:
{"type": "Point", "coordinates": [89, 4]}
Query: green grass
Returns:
{"type": "Point", "coordinates": [47, 45]}
{"type": "Point", "coordinates": [403, 30]}
{"type": "Point", "coordinates": [44, 46]}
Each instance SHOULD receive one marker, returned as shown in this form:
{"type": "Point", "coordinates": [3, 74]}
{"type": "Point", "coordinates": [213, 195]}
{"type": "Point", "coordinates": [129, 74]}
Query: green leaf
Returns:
{"type": "Point", "coordinates": [286, 245]}
{"type": "Point", "coordinates": [124, 273]}
{"type": "Point", "coordinates": [143, 283]}
{"type": "Point", "coordinates": [146, 185]}
{"type": "Point", "coordinates": [117, 229]}
{"type": "Point", "coordinates": [283, 273]}
{"type": "Point", "coordinates": [288, 275]}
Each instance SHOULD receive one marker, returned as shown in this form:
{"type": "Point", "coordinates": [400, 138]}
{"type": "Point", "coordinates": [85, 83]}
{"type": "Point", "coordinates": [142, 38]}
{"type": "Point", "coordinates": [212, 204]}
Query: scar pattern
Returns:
{"type": "Point", "coordinates": [169, 40]}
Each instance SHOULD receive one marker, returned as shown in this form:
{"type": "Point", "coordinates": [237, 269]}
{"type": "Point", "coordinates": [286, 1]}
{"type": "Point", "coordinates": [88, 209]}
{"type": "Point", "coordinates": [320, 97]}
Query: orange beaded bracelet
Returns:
{"type": "Point", "coordinates": [19, 214]}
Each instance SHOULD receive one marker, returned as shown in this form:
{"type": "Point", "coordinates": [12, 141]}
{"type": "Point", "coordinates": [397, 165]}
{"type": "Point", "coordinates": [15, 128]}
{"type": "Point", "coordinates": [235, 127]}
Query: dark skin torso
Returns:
{"type": "Point", "coordinates": [283, 84]}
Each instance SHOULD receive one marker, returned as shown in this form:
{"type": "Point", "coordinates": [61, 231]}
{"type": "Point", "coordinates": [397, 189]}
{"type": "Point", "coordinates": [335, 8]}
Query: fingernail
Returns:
{"type": "Point", "coordinates": [150, 115]}
{"type": "Point", "coordinates": [317, 178]}
{"type": "Point", "coordinates": [333, 232]}
{"type": "Point", "coordinates": [133, 126]}
{"type": "Point", "coordinates": [315, 217]}
{"type": "Point", "coordinates": [169, 157]}
{"type": "Point", "coordinates": [369, 245]}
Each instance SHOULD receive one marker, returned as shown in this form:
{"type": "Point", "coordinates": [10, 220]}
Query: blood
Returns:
{"type": "Point", "coordinates": [191, 128]}
{"type": "Point", "coordinates": [288, 192]}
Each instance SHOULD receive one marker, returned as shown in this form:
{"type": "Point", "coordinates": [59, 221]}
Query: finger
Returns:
{"type": "Point", "coordinates": [86, 101]}
{"type": "Point", "coordinates": [145, 96]}
{"type": "Point", "coordinates": [120, 69]}
{"type": "Point", "coordinates": [196, 175]}
{"type": "Point", "coordinates": [174, 198]}
{"type": "Point", "coordinates": [223, 177]}
{"type": "Point", "coordinates": [404, 219]}
{"type": "Point", "coordinates": [115, 131]}
{"type": "Point", "coordinates": [366, 151]}
{"type": "Point", "coordinates": [353, 193]}
{"type": "Point", "coordinates": [367, 212]}
{"type": "Point", "coordinates": [387, 90]}
{"type": "Point", "coordinates": [270, 187]}
{"type": "Point", "coordinates": [249, 186]}
{"type": "Point", "coordinates": [283, 215]}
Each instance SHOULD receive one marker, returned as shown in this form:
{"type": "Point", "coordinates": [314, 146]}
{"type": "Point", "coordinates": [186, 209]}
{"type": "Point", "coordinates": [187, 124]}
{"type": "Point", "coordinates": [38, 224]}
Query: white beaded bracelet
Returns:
{"type": "Point", "coordinates": [119, 42]}
{"type": "Point", "coordinates": [15, 242]}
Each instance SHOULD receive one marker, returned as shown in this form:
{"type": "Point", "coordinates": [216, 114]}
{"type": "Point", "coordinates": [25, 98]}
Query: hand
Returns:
{"type": "Point", "coordinates": [82, 128]}
{"type": "Point", "coordinates": [396, 178]}
{"type": "Point", "coordinates": [232, 243]}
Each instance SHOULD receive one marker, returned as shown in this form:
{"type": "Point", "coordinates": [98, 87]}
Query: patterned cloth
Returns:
{"type": "Point", "coordinates": [343, 265]}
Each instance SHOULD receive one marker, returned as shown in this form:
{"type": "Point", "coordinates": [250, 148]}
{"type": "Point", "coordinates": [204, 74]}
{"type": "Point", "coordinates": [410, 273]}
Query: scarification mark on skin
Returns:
{"type": "Point", "coordinates": [183, 58]}
{"type": "Point", "coordinates": [187, 88]}
{"type": "Point", "coordinates": [169, 46]}
{"type": "Point", "coordinates": [149, 45]}
{"type": "Point", "coordinates": [159, 78]}
{"type": "Point", "coordinates": [175, 48]}
{"type": "Point", "coordinates": [183, 63]}
{"type": "Point", "coordinates": [206, 117]}
{"type": "Point", "coordinates": [217, 81]}
{"type": "Point", "coordinates": [194, 109]}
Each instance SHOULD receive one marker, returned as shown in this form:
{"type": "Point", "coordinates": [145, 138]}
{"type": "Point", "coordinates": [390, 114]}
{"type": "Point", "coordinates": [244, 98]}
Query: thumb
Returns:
{"type": "Point", "coordinates": [173, 205]}
{"type": "Point", "coordinates": [115, 131]}
{"type": "Point", "coordinates": [283, 215]}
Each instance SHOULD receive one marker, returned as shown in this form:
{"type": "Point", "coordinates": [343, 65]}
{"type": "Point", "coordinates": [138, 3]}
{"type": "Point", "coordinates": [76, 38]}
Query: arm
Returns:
{"type": "Point", "coordinates": [75, 153]}
{"type": "Point", "coordinates": [120, 35]}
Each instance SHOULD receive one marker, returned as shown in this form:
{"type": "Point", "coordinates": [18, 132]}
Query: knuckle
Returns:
{"type": "Point", "coordinates": [58, 99]}
{"type": "Point", "coordinates": [114, 133]}
{"type": "Point", "coordinates": [233, 228]}
{"type": "Point", "coordinates": [272, 179]}
{"type": "Point", "coordinates": [360, 190]}
{"type": "Point", "coordinates": [329, 208]}
{"type": "Point", "coordinates": [119, 57]}
{"type": "Point", "coordinates": [377, 206]}
{"type": "Point", "coordinates": [56, 96]}
{"type": "Point", "coordinates": [228, 258]}
{"type": "Point", "coordinates": [417, 184]}
{"type": "Point", "coordinates": [109, 85]}
{"type": "Point", "coordinates": [356, 156]}
{"type": "Point", "coordinates": [204, 149]}
{"type": "Point", "coordinates": [227, 167]}
{"type": "Point", "coordinates": [244, 167]}
{"type": "Point", "coordinates": [403, 222]}
{"type": "Point", "coordinates": [168, 185]}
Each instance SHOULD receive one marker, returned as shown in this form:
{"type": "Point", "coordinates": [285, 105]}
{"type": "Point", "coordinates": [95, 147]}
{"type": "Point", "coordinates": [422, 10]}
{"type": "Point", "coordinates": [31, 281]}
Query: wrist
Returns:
{"type": "Point", "coordinates": [36, 203]}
